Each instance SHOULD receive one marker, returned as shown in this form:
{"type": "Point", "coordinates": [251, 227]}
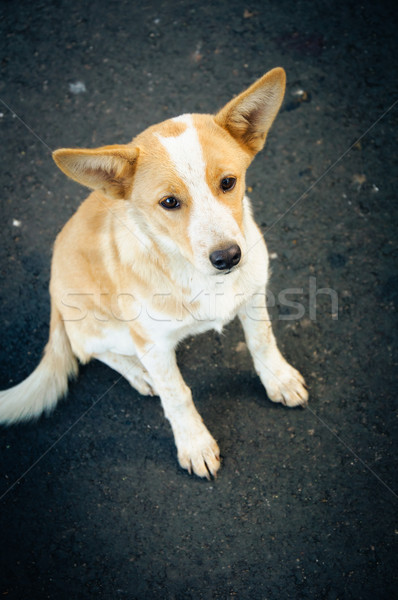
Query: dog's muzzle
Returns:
{"type": "Point", "coordinates": [226, 258]}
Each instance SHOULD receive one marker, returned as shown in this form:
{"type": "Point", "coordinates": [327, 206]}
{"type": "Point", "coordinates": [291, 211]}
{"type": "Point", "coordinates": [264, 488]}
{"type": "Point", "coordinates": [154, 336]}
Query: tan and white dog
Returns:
{"type": "Point", "coordinates": [165, 247]}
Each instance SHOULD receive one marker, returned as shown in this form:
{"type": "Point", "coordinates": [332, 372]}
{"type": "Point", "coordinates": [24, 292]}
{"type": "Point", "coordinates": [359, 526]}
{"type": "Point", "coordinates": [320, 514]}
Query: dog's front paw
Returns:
{"type": "Point", "coordinates": [198, 451]}
{"type": "Point", "coordinates": [285, 384]}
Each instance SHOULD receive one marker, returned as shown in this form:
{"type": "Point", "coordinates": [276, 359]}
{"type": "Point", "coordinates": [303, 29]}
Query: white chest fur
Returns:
{"type": "Point", "coordinates": [195, 304]}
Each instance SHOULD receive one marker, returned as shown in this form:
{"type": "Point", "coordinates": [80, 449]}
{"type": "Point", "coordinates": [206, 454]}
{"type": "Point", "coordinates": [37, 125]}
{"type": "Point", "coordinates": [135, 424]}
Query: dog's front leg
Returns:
{"type": "Point", "coordinates": [197, 449]}
{"type": "Point", "coordinates": [282, 382]}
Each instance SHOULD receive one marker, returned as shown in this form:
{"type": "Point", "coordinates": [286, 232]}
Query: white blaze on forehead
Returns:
{"type": "Point", "coordinates": [186, 155]}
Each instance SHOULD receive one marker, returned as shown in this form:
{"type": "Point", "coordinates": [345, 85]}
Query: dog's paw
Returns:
{"type": "Point", "coordinates": [198, 452]}
{"type": "Point", "coordinates": [139, 379]}
{"type": "Point", "coordinates": [142, 386]}
{"type": "Point", "coordinates": [285, 384]}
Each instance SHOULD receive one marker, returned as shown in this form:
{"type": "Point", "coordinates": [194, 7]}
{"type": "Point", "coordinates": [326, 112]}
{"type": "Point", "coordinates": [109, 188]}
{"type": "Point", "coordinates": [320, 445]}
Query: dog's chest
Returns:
{"type": "Point", "coordinates": [196, 310]}
{"type": "Point", "coordinates": [167, 319]}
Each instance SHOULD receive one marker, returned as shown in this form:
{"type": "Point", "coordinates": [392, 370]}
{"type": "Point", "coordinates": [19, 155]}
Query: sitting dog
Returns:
{"type": "Point", "coordinates": [164, 247]}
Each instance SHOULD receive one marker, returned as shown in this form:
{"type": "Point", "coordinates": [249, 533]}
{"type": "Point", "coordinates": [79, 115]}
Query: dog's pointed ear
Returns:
{"type": "Point", "coordinates": [109, 168]}
{"type": "Point", "coordinates": [249, 116]}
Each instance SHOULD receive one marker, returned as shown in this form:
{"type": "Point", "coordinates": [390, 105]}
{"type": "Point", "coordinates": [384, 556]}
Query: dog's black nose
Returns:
{"type": "Point", "coordinates": [226, 258]}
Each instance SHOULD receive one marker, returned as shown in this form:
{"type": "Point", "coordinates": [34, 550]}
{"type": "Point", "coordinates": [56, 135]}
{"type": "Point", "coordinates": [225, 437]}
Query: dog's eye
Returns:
{"type": "Point", "coordinates": [170, 202]}
{"type": "Point", "coordinates": [228, 183]}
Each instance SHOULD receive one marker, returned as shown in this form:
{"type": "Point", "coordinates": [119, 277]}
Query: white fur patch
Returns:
{"type": "Point", "coordinates": [116, 339]}
{"type": "Point", "coordinates": [186, 155]}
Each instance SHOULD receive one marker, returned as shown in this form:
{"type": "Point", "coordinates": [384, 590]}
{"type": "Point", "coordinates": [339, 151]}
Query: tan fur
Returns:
{"type": "Point", "coordinates": [131, 279]}
{"type": "Point", "coordinates": [41, 391]}
{"type": "Point", "coordinates": [249, 116]}
{"type": "Point", "coordinates": [110, 168]}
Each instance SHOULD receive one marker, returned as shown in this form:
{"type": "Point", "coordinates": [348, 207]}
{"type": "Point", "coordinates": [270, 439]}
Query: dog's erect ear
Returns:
{"type": "Point", "coordinates": [249, 116]}
{"type": "Point", "coordinates": [109, 168]}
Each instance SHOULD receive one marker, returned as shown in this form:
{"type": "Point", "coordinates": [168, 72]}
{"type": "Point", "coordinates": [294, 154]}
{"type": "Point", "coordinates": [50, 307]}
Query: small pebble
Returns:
{"type": "Point", "coordinates": [77, 88]}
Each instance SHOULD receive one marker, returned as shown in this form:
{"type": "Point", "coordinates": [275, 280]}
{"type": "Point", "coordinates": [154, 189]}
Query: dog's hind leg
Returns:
{"type": "Point", "coordinates": [132, 369]}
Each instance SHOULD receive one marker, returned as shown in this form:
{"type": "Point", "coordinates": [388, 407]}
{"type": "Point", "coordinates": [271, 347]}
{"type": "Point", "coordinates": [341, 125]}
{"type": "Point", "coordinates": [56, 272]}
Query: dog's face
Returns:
{"type": "Point", "coordinates": [189, 185]}
{"type": "Point", "coordinates": [184, 179]}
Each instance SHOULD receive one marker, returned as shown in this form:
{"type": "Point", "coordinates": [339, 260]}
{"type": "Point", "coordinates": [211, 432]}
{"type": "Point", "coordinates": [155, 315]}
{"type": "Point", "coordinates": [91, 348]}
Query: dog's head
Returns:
{"type": "Point", "coordinates": [185, 178]}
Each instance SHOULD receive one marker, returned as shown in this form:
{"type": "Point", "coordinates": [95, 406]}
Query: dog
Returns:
{"type": "Point", "coordinates": [165, 246]}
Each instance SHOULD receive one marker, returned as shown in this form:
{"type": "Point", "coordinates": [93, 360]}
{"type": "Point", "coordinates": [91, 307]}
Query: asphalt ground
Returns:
{"type": "Point", "coordinates": [93, 502]}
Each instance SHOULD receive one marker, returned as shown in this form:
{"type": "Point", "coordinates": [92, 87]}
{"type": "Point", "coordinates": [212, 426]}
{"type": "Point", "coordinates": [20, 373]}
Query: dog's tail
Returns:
{"type": "Point", "coordinates": [49, 381]}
